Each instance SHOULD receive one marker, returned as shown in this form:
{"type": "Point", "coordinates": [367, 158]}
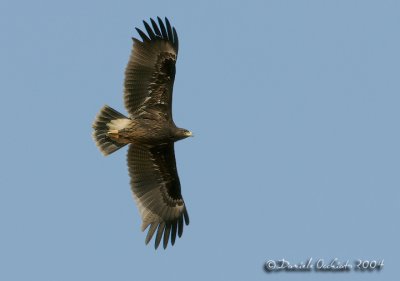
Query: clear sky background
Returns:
{"type": "Point", "coordinates": [295, 110]}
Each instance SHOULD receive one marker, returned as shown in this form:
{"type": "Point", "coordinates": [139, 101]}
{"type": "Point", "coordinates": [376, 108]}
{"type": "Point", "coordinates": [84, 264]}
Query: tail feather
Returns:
{"type": "Point", "coordinates": [101, 126]}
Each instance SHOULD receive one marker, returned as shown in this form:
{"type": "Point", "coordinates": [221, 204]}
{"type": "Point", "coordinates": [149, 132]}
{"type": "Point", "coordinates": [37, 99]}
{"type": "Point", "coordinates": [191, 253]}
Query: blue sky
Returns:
{"type": "Point", "coordinates": [295, 110]}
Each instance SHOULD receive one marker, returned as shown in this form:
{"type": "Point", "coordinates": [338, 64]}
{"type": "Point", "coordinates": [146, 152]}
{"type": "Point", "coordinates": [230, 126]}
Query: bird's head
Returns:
{"type": "Point", "coordinates": [182, 133]}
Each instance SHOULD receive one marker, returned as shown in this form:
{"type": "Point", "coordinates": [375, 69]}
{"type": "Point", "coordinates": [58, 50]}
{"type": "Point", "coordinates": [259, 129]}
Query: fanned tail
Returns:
{"type": "Point", "coordinates": [102, 125]}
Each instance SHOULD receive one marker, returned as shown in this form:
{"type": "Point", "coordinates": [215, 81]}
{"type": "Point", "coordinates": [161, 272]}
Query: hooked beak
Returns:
{"type": "Point", "coordinates": [189, 134]}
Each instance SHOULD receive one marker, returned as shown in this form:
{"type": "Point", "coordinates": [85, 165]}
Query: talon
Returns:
{"type": "Point", "coordinates": [113, 134]}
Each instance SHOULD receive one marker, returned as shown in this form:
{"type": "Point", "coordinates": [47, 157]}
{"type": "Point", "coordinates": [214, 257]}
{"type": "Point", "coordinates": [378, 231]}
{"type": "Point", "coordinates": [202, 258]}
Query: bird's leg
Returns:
{"type": "Point", "coordinates": [114, 134]}
{"type": "Point", "coordinates": [117, 136]}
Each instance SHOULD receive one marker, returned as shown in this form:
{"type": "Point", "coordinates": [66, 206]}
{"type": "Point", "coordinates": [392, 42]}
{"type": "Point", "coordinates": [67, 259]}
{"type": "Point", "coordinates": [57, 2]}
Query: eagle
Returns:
{"type": "Point", "coordinates": [150, 132]}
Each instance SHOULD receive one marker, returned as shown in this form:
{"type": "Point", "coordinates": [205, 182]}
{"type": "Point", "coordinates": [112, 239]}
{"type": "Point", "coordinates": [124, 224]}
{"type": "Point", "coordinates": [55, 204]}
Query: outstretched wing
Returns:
{"type": "Point", "coordinates": [157, 191]}
{"type": "Point", "coordinates": [150, 74]}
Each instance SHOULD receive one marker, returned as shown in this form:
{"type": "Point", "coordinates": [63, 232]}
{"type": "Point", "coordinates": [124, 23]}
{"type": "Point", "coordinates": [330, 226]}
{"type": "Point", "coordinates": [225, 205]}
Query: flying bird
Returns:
{"type": "Point", "coordinates": [150, 132]}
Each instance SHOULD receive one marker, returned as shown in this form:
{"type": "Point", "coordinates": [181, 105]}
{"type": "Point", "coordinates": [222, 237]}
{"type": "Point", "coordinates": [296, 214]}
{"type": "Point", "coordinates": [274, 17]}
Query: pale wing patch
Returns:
{"type": "Point", "coordinates": [148, 215]}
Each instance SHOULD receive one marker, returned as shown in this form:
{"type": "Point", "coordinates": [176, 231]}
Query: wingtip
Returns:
{"type": "Point", "coordinates": [186, 217]}
{"type": "Point", "coordinates": [166, 234]}
{"type": "Point", "coordinates": [173, 233]}
{"type": "Point", "coordinates": [160, 232]}
{"type": "Point", "coordinates": [150, 234]}
{"type": "Point", "coordinates": [180, 227]}
{"type": "Point", "coordinates": [142, 34]}
{"type": "Point", "coordinates": [156, 28]}
{"type": "Point", "coordinates": [149, 30]}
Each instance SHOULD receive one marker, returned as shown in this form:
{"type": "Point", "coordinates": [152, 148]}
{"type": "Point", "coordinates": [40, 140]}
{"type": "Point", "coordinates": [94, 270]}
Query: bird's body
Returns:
{"type": "Point", "coordinates": [144, 131]}
{"type": "Point", "coordinates": [150, 132]}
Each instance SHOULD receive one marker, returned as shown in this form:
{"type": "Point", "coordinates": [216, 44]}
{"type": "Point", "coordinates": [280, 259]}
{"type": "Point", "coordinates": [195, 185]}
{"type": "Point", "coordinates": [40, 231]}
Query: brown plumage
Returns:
{"type": "Point", "coordinates": [150, 132]}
